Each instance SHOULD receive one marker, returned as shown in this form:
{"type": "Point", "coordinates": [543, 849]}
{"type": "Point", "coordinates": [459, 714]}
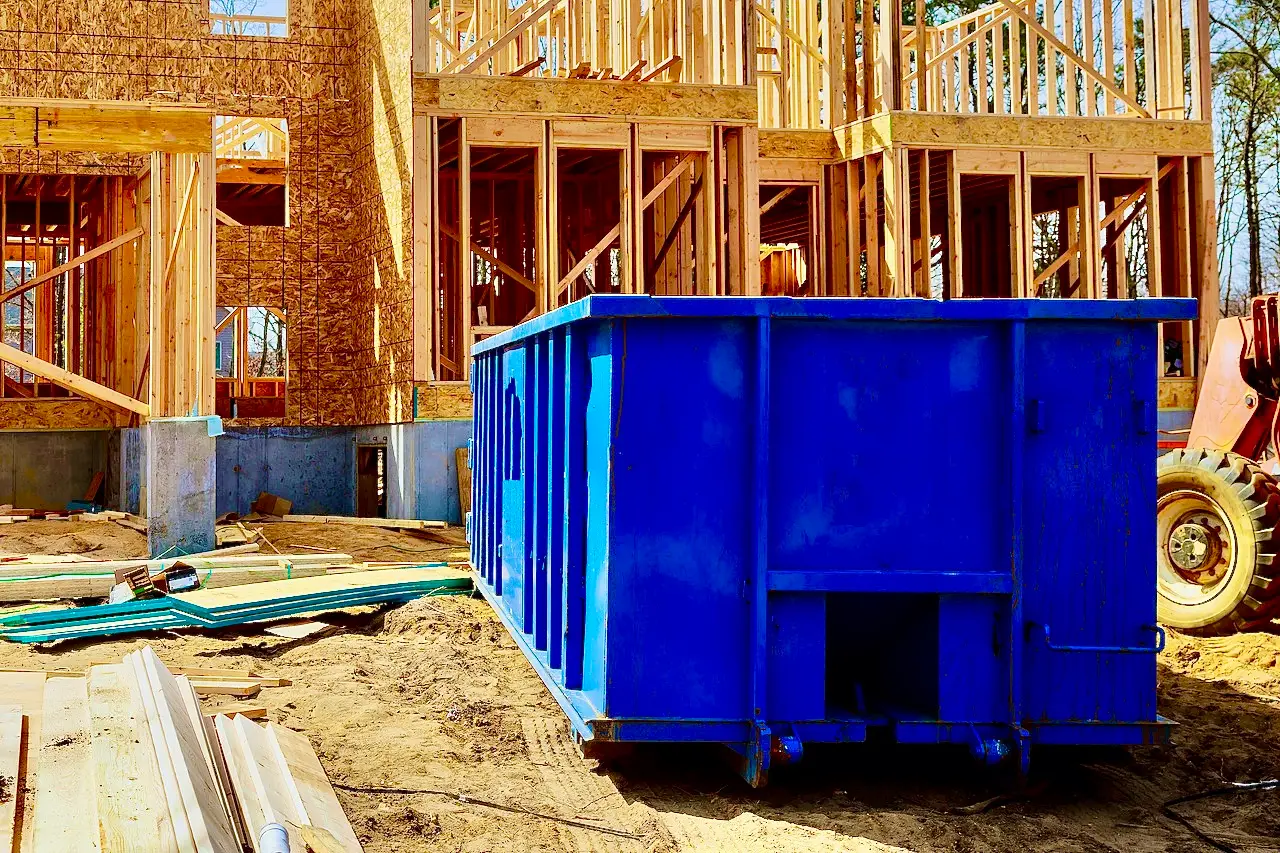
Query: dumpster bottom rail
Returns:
{"type": "Point", "coordinates": [760, 745]}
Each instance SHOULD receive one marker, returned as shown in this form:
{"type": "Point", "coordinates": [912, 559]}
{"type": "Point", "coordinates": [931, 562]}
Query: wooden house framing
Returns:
{"type": "Point", "coordinates": [397, 179]}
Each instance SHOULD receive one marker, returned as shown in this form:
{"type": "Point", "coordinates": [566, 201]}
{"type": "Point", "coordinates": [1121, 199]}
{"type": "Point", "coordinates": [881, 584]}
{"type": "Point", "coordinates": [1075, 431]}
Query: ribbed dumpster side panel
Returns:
{"type": "Point", "coordinates": [765, 522]}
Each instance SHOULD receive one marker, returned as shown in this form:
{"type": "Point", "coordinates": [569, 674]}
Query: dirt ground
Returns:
{"type": "Point", "coordinates": [435, 697]}
{"type": "Point", "coordinates": [105, 540]}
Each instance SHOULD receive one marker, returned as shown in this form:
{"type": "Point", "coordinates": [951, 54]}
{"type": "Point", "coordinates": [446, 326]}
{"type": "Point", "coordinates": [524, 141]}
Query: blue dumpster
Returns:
{"type": "Point", "coordinates": [766, 522]}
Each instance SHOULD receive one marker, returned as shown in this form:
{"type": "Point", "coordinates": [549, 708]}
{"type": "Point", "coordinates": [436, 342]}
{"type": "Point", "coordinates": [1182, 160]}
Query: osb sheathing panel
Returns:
{"type": "Point", "coordinates": [55, 414]}
{"type": "Point", "coordinates": [342, 80]}
{"type": "Point", "coordinates": [443, 401]}
{"type": "Point", "coordinates": [380, 87]}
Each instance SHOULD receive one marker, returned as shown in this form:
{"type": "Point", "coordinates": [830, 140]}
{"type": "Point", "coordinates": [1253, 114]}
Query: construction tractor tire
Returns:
{"type": "Point", "coordinates": [1218, 568]}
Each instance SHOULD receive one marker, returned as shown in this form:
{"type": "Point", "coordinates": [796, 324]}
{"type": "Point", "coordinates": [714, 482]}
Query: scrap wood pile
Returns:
{"type": "Point", "coordinates": [12, 515]}
{"type": "Point", "coordinates": [123, 758]}
{"type": "Point", "coordinates": [214, 589]}
{"type": "Point", "coordinates": [234, 605]}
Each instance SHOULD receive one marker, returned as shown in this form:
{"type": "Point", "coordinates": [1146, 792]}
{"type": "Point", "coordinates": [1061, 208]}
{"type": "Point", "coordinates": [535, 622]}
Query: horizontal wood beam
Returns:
{"type": "Point", "coordinates": [64, 124]}
{"type": "Point", "coordinates": [96, 252]}
{"type": "Point", "coordinates": [1128, 135]}
{"type": "Point", "coordinates": [72, 382]}
{"type": "Point", "coordinates": [237, 171]}
{"type": "Point", "coordinates": [55, 413]}
{"type": "Point", "coordinates": [549, 97]}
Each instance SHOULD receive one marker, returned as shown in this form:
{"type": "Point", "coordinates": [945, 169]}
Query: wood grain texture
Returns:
{"type": "Point", "coordinates": [197, 781]}
{"type": "Point", "coordinates": [261, 774]}
{"type": "Point", "coordinates": [132, 816]}
{"type": "Point", "coordinates": [65, 793]}
{"type": "Point", "coordinates": [153, 731]}
{"type": "Point", "coordinates": [54, 414]}
{"type": "Point", "coordinates": [554, 96]}
{"type": "Point", "coordinates": [311, 786]}
{"type": "Point", "coordinates": [260, 592]}
{"type": "Point", "coordinates": [11, 726]}
{"type": "Point", "coordinates": [25, 690]}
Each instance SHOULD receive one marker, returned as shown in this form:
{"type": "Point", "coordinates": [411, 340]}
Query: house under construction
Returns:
{"type": "Point", "coordinates": [302, 223]}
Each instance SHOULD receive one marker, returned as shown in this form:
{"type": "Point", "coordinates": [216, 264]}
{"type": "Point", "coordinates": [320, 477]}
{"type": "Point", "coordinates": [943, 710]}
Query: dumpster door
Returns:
{"type": "Point", "coordinates": [1088, 493]}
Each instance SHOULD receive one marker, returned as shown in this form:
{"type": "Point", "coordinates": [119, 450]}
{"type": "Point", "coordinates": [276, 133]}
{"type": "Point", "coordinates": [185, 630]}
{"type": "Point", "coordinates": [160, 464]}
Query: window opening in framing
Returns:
{"type": "Point", "coordinates": [251, 362]}
{"type": "Point", "coordinates": [504, 216]}
{"type": "Point", "coordinates": [253, 166]}
{"type": "Point", "coordinates": [260, 18]}
{"type": "Point", "coordinates": [787, 240]}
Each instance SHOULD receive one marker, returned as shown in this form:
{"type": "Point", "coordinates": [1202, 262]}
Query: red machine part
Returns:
{"type": "Point", "coordinates": [1236, 409]}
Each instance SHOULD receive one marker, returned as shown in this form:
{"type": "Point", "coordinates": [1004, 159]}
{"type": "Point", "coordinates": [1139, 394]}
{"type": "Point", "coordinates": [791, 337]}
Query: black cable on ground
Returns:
{"type": "Point", "coordinates": [1241, 788]}
{"type": "Point", "coordinates": [463, 798]}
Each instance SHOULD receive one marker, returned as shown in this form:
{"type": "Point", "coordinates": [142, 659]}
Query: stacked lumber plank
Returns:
{"type": "Point", "coordinates": [240, 683]}
{"type": "Point", "coordinates": [37, 577]}
{"type": "Point", "coordinates": [123, 758]}
{"type": "Point", "coordinates": [236, 605]}
{"type": "Point", "coordinates": [391, 523]}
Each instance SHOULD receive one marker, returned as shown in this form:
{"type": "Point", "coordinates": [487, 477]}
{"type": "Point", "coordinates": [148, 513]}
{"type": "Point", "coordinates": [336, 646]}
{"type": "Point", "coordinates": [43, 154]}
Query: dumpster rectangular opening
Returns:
{"type": "Point", "coordinates": [882, 656]}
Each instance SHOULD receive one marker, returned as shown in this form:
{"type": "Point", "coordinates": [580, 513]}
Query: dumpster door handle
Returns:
{"type": "Point", "coordinates": [1122, 650]}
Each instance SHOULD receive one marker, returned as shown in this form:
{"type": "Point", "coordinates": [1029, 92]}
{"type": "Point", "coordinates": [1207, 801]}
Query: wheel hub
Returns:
{"type": "Point", "coordinates": [1189, 546]}
{"type": "Point", "coordinates": [1198, 545]}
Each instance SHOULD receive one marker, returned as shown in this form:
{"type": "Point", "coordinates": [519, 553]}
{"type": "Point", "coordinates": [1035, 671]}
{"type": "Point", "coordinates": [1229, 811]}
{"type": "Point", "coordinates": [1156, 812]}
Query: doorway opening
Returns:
{"type": "Point", "coordinates": [371, 481]}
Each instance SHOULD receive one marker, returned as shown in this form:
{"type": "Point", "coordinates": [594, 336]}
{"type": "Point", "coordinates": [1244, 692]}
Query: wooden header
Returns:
{"type": "Point", "coordinates": [463, 94]}
{"type": "Point", "coordinates": [934, 130]}
{"type": "Point", "coordinates": [799, 145]}
{"type": "Point", "coordinates": [130, 127]}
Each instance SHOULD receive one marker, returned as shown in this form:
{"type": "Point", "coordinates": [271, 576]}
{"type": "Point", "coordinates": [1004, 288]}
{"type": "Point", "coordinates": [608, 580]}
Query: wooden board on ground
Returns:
{"type": "Point", "coordinates": [132, 522]}
{"type": "Point", "coordinates": [394, 523]}
{"type": "Point", "coordinates": [133, 817]}
{"type": "Point", "coordinates": [127, 761]}
{"type": "Point", "coordinates": [260, 777]}
{"type": "Point", "coordinates": [153, 731]}
{"type": "Point", "coordinates": [301, 629]}
{"type": "Point", "coordinates": [239, 689]}
{"type": "Point", "coordinates": [208, 738]}
{"type": "Point", "coordinates": [243, 709]}
{"type": "Point", "coordinates": [263, 592]}
{"type": "Point", "coordinates": [10, 768]}
{"type": "Point", "coordinates": [311, 787]}
{"type": "Point", "coordinates": [25, 690]}
{"type": "Point", "coordinates": [65, 795]}
{"type": "Point", "coordinates": [71, 583]}
{"type": "Point", "coordinates": [197, 784]}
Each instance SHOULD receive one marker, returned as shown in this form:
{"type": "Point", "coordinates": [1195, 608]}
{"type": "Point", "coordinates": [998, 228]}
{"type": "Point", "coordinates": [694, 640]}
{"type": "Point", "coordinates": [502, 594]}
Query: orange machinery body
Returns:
{"type": "Point", "coordinates": [1237, 405]}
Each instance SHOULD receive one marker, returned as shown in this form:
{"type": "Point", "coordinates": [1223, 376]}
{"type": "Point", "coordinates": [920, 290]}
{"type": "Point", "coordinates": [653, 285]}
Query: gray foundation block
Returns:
{"type": "Point", "coordinates": [181, 485]}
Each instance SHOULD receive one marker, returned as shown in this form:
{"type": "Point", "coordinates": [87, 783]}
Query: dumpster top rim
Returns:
{"type": "Point", "coordinates": [606, 306]}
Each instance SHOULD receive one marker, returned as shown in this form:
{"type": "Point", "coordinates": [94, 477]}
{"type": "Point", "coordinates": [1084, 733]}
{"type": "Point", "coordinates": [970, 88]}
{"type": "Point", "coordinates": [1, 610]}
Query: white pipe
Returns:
{"type": "Point", "coordinates": [273, 839]}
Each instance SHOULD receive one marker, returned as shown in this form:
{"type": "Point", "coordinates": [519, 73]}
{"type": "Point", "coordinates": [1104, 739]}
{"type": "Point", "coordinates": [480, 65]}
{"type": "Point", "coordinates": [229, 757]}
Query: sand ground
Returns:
{"type": "Point", "coordinates": [434, 696]}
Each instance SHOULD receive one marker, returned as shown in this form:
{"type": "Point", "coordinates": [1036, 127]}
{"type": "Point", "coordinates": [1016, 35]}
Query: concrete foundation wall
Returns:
{"type": "Point", "coordinates": [312, 467]}
{"type": "Point", "coordinates": [127, 470]}
{"type": "Point", "coordinates": [315, 467]}
{"type": "Point", "coordinates": [422, 479]}
{"type": "Point", "coordinates": [45, 470]}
